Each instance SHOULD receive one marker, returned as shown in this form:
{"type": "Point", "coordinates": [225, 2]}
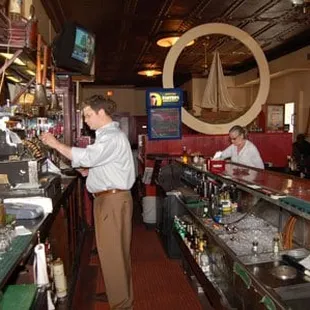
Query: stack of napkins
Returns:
{"type": "Point", "coordinates": [22, 231]}
{"type": "Point", "coordinates": [306, 262]}
{"type": "Point", "coordinates": [217, 155]}
{"type": "Point", "coordinates": [44, 202]}
{"type": "Point", "coordinates": [51, 167]}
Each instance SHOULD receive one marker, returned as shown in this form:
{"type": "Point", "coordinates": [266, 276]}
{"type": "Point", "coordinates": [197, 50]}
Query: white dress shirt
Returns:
{"type": "Point", "coordinates": [248, 156]}
{"type": "Point", "coordinates": [109, 160]}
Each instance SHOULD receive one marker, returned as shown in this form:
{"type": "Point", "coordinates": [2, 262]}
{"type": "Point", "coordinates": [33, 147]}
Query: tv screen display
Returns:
{"type": "Point", "coordinates": [83, 47]}
{"type": "Point", "coordinates": [74, 49]}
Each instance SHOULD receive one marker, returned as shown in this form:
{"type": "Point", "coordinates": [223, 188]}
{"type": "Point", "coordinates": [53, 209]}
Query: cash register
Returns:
{"type": "Point", "coordinates": [23, 168]}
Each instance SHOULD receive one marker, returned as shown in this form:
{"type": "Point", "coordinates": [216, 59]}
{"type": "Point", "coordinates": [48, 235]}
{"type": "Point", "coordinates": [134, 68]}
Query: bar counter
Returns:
{"type": "Point", "coordinates": [283, 184]}
{"type": "Point", "coordinates": [269, 204]}
{"type": "Point", "coordinates": [64, 227]}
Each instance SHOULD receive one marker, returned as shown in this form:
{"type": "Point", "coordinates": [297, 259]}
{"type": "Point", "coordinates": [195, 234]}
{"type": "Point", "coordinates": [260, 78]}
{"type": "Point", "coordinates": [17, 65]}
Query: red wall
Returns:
{"type": "Point", "coordinates": [273, 147]}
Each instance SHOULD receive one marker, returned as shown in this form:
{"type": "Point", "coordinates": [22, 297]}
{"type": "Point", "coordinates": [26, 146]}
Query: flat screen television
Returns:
{"type": "Point", "coordinates": [74, 49]}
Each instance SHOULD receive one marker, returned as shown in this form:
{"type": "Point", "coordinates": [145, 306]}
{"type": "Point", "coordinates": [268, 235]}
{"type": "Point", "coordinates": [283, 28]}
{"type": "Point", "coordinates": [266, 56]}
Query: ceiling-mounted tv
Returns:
{"type": "Point", "coordinates": [74, 49]}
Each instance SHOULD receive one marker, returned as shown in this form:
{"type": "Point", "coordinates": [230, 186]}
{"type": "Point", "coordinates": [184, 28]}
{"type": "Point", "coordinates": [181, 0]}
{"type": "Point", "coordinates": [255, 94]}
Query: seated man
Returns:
{"type": "Point", "coordinates": [301, 153]}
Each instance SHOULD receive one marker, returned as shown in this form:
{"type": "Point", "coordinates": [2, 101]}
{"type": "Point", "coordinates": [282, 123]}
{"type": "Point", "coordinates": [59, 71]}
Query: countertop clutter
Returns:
{"type": "Point", "coordinates": [18, 259]}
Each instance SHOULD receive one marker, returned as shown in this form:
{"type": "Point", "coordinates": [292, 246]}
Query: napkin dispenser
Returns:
{"type": "Point", "coordinates": [216, 165]}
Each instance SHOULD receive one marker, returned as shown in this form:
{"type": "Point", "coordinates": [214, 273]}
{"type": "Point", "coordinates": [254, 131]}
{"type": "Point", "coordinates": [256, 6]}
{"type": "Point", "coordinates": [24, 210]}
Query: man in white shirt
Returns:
{"type": "Point", "coordinates": [109, 167]}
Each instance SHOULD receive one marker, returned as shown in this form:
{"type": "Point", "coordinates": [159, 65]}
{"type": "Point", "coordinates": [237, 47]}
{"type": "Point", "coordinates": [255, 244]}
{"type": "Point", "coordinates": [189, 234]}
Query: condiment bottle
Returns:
{"type": "Point", "coordinates": [276, 245]}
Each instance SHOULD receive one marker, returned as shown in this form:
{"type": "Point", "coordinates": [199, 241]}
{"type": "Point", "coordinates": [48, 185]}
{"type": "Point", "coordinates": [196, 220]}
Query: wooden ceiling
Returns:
{"type": "Point", "coordinates": [127, 30]}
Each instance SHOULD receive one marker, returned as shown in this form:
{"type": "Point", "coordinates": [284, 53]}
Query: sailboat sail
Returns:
{"type": "Point", "coordinates": [216, 96]}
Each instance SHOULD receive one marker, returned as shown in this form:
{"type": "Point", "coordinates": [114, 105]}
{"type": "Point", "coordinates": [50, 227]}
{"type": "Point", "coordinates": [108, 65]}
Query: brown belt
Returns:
{"type": "Point", "coordinates": [108, 192]}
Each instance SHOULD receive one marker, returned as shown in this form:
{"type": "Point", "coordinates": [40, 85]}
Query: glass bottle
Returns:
{"type": "Point", "coordinates": [276, 247]}
{"type": "Point", "coordinates": [4, 242]}
{"type": "Point", "coordinates": [255, 247]}
{"type": "Point", "coordinates": [184, 155]}
{"type": "Point", "coordinates": [204, 257]}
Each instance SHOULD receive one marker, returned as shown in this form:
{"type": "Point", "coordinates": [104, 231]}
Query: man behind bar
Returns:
{"type": "Point", "coordinates": [109, 167]}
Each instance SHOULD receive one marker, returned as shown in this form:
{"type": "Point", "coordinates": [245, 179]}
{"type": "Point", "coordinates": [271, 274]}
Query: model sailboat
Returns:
{"type": "Point", "coordinates": [216, 96]}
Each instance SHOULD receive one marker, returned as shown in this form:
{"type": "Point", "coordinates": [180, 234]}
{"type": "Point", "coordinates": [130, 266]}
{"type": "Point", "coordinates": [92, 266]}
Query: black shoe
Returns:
{"type": "Point", "coordinates": [101, 297]}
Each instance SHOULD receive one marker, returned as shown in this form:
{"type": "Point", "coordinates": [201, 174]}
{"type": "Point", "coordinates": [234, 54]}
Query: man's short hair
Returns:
{"type": "Point", "coordinates": [98, 102]}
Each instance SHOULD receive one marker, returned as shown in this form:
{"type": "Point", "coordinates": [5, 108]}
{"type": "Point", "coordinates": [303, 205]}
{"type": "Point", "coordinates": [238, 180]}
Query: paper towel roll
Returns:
{"type": "Point", "coordinates": [40, 267]}
{"type": "Point", "coordinates": [59, 278]}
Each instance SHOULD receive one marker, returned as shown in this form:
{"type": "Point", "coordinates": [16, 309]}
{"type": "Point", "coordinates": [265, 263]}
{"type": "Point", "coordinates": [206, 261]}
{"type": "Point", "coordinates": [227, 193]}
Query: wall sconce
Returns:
{"type": "Point", "coordinates": [150, 72]}
{"type": "Point", "coordinates": [169, 39]}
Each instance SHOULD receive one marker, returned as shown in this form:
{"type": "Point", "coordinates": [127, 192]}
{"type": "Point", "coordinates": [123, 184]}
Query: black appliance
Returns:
{"type": "Point", "coordinates": [171, 193]}
{"type": "Point", "coordinates": [168, 206]}
{"type": "Point", "coordinates": [49, 186]}
{"type": "Point", "coordinates": [23, 171]}
{"type": "Point", "coordinates": [7, 150]}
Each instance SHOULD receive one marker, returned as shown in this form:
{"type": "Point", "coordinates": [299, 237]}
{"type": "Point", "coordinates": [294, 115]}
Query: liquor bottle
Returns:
{"type": "Point", "coordinates": [205, 210]}
{"type": "Point", "coordinates": [15, 10]}
{"type": "Point", "coordinates": [204, 257]}
{"type": "Point", "coordinates": [276, 246]}
{"type": "Point", "coordinates": [184, 155]}
{"type": "Point", "coordinates": [49, 257]}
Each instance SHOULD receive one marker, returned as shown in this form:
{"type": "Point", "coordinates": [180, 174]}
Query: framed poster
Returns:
{"type": "Point", "coordinates": [275, 117]}
{"type": "Point", "coordinates": [164, 123]}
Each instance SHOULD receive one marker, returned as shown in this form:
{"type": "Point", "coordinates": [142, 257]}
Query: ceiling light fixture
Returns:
{"type": "Point", "coordinates": [169, 39]}
{"type": "Point", "coordinates": [16, 61]}
{"type": "Point", "coordinates": [150, 72]}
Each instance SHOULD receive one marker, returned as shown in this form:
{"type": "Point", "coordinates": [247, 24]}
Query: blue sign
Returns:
{"type": "Point", "coordinates": [163, 106]}
{"type": "Point", "coordinates": [164, 97]}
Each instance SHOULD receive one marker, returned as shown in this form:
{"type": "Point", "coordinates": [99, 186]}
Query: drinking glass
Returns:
{"type": "Point", "coordinates": [4, 243]}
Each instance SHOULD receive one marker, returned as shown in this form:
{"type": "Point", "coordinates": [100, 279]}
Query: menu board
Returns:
{"type": "Point", "coordinates": [164, 123]}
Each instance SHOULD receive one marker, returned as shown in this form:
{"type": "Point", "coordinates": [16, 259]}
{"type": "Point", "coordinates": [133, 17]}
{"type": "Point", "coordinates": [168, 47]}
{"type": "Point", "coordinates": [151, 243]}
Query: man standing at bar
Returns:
{"type": "Point", "coordinates": [109, 167]}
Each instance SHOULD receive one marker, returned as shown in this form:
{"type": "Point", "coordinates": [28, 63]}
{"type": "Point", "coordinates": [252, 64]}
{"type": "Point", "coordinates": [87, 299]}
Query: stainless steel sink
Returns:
{"type": "Point", "coordinates": [298, 253]}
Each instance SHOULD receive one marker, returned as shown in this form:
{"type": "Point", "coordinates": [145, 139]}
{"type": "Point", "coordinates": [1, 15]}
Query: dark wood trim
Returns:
{"type": "Point", "coordinates": [55, 13]}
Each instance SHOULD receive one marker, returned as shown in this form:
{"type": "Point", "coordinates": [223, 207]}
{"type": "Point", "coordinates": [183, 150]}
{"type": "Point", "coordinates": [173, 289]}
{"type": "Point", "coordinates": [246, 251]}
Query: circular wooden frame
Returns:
{"type": "Point", "coordinates": [263, 68]}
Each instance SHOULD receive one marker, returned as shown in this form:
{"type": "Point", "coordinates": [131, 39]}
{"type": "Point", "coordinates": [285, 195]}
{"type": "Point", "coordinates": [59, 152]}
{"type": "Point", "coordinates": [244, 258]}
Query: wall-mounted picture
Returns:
{"type": "Point", "coordinates": [275, 117]}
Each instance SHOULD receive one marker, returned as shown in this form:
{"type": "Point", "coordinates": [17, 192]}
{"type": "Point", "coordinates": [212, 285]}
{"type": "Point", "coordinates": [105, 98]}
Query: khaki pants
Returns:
{"type": "Point", "coordinates": [113, 227]}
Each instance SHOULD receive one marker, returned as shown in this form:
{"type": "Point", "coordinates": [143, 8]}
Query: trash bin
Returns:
{"type": "Point", "coordinates": [149, 211]}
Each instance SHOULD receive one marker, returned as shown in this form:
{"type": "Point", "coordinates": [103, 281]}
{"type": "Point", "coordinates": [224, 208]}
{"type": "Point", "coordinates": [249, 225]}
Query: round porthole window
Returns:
{"type": "Point", "coordinates": [263, 68]}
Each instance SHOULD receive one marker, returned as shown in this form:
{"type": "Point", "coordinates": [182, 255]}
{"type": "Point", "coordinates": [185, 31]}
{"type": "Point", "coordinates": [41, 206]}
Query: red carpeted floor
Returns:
{"type": "Point", "coordinates": [159, 282]}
